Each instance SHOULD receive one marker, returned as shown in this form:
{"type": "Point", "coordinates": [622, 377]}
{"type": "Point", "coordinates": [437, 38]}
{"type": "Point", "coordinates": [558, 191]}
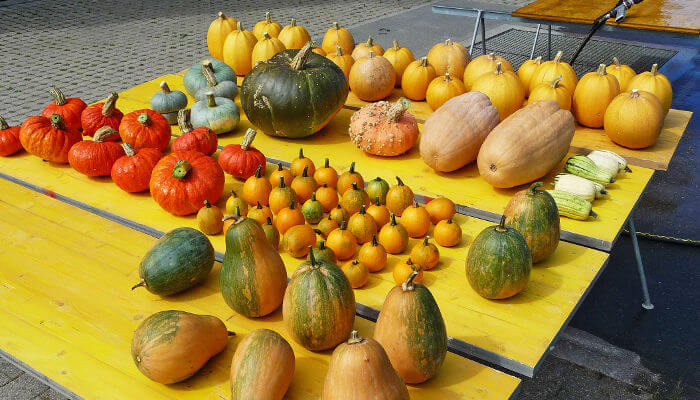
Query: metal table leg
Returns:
{"type": "Point", "coordinates": [483, 35]}
{"type": "Point", "coordinates": [549, 43]}
{"type": "Point", "coordinates": [534, 44]}
{"type": "Point", "coordinates": [640, 267]}
{"type": "Point", "coordinates": [476, 29]}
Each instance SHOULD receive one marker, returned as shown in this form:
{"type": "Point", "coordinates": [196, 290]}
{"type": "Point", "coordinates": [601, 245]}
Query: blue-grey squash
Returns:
{"type": "Point", "coordinates": [168, 102]}
{"type": "Point", "coordinates": [194, 77]}
{"type": "Point", "coordinates": [226, 89]}
{"type": "Point", "coordinates": [216, 113]}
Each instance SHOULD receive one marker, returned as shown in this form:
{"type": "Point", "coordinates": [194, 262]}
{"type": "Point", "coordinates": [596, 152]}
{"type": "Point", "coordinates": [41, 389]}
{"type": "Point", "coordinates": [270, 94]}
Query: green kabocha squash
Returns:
{"type": "Point", "coordinates": [168, 102]}
{"type": "Point", "coordinates": [411, 330]}
{"type": "Point", "coordinates": [534, 214]}
{"type": "Point", "coordinates": [194, 78]}
{"type": "Point", "coordinates": [253, 277]}
{"type": "Point", "coordinates": [377, 187]}
{"type": "Point", "coordinates": [226, 89]}
{"type": "Point", "coordinates": [180, 259]}
{"type": "Point", "coordinates": [294, 94]}
{"type": "Point", "coordinates": [498, 263]}
{"type": "Point", "coordinates": [216, 113]}
{"type": "Point", "coordinates": [319, 305]}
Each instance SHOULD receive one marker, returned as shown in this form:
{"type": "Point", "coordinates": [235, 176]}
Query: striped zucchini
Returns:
{"type": "Point", "coordinates": [572, 206]}
{"type": "Point", "coordinates": [570, 179]}
{"type": "Point", "coordinates": [621, 161]}
{"type": "Point", "coordinates": [605, 163]}
{"type": "Point", "coordinates": [585, 167]}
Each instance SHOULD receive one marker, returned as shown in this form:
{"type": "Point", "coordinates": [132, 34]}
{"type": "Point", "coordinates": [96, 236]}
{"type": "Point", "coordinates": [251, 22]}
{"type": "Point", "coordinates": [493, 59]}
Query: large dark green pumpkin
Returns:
{"type": "Point", "coordinates": [534, 214]}
{"type": "Point", "coordinates": [179, 260]}
{"type": "Point", "coordinates": [294, 94]}
{"type": "Point", "coordinates": [499, 262]}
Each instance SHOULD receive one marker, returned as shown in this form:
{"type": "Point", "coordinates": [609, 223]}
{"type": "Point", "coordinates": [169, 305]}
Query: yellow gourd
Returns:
{"type": "Point", "coordinates": [654, 82]}
{"type": "Point", "coordinates": [238, 50]}
{"type": "Point", "coordinates": [623, 73]}
{"type": "Point", "coordinates": [338, 36]}
{"type": "Point", "coordinates": [294, 36]}
{"type": "Point", "coordinates": [442, 89]}
{"type": "Point", "coordinates": [416, 78]}
{"type": "Point", "coordinates": [592, 95]}
{"type": "Point", "coordinates": [343, 60]}
{"type": "Point", "coordinates": [527, 71]}
{"type": "Point", "coordinates": [266, 47]}
{"type": "Point", "coordinates": [554, 90]}
{"type": "Point", "coordinates": [219, 29]}
{"type": "Point", "coordinates": [272, 28]}
{"type": "Point", "coordinates": [400, 57]}
{"type": "Point", "coordinates": [634, 119]}
{"type": "Point", "coordinates": [503, 89]}
{"type": "Point", "coordinates": [483, 64]}
{"type": "Point", "coordinates": [549, 70]}
{"type": "Point", "coordinates": [449, 56]}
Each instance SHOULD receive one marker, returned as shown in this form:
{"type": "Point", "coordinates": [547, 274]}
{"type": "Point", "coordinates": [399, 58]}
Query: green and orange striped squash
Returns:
{"type": "Point", "coordinates": [171, 346]}
{"type": "Point", "coordinates": [253, 277]}
{"type": "Point", "coordinates": [534, 214]}
{"type": "Point", "coordinates": [319, 305]}
{"type": "Point", "coordinates": [498, 263]}
{"type": "Point", "coordinates": [411, 329]}
{"type": "Point", "coordinates": [262, 366]}
{"type": "Point", "coordinates": [323, 252]}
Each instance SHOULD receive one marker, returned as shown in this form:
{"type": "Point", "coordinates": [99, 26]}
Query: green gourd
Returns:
{"type": "Point", "coordinates": [194, 78]}
{"type": "Point", "coordinates": [534, 214]}
{"type": "Point", "coordinates": [226, 89]}
{"type": "Point", "coordinates": [377, 187]}
{"type": "Point", "coordinates": [168, 102]}
{"type": "Point", "coordinates": [180, 259]}
{"type": "Point", "coordinates": [216, 113]}
{"type": "Point", "coordinates": [323, 252]}
{"type": "Point", "coordinates": [312, 210]}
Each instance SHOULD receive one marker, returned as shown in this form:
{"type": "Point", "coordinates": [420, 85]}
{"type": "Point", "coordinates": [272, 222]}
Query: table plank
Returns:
{"type": "Point", "coordinates": [681, 16]}
{"type": "Point", "coordinates": [492, 330]}
{"type": "Point", "coordinates": [76, 307]}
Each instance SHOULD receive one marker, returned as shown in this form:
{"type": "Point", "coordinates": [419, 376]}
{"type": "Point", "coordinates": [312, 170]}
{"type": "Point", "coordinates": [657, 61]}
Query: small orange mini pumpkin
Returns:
{"type": "Point", "coordinates": [449, 56]}
{"type": "Point", "coordinates": [327, 196]}
{"type": "Point", "coordinates": [363, 49]}
{"type": "Point", "coordinates": [342, 242]}
{"type": "Point", "coordinates": [400, 57]}
{"type": "Point", "coordinates": [326, 226]}
{"type": "Point", "coordinates": [347, 178]}
{"type": "Point", "coordinates": [354, 199]}
{"type": "Point", "coordinates": [344, 61]}
{"type": "Point", "coordinates": [281, 196]}
{"type": "Point", "coordinates": [281, 172]}
{"type": "Point", "coordinates": [373, 255]}
{"type": "Point", "coordinates": [327, 175]}
{"type": "Point", "coordinates": [447, 233]}
{"type": "Point", "coordinates": [425, 255]}
{"type": "Point", "coordinates": [416, 78]}
{"type": "Point", "coordinates": [440, 208]}
{"type": "Point", "coordinates": [362, 225]}
{"type": "Point", "coordinates": [403, 270]}
{"type": "Point", "coordinates": [339, 214]}
{"type": "Point", "coordinates": [48, 138]}
{"type": "Point", "coordinates": [399, 197]}
{"type": "Point", "coordinates": [379, 212]}
{"type": "Point", "coordinates": [300, 163]}
{"type": "Point", "coordinates": [298, 240]}
{"type": "Point", "coordinates": [442, 89]}
{"type": "Point", "coordinates": [233, 201]}
{"type": "Point", "coordinates": [201, 139]}
{"type": "Point", "coordinates": [271, 233]}
{"type": "Point", "coordinates": [210, 219]}
{"type": "Point", "coordinates": [393, 237]}
{"type": "Point", "coordinates": [384, 129]}
{"type": "Point", "coordinates": [372, 78]}
{"type": "Point", "coordinates": [257, 188]}
{"type": "Point", "coordinates": [289, 217]}
{"type": "Point", "coordinates": [260, 213]}
{"type": "Point", "coordinates": [132, 172]}
{"type": "Point", "coordinates": [416, 220]}
{"type": "Point", "coordinates": [356, 272]}
{"type": "Point", "coordinates": [9, 139]}
{"type": "Point", "coordinates": [304, 185]}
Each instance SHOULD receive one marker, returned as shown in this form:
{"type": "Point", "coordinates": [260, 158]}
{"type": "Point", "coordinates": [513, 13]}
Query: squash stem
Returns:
{"type": "Point", "coordinates": [305, 173]}
{"type": "Point", "coordinates": [268, 19]}
{"type": "Point", "coordinates": [231, 333]}
{"type": "Point", "coordinates": [376, 201]}
{"type": "Point", "coordinates": [352, 167]}
{"type": "Point", "coordinates": [634, 93]}
{"type": "Point", "coordinates": [601, 70]}
{"type": "Point", "coordinates": [182, 168]}
{"type": "Point", "coordinates": [533, 187]}
{"type": "Point", "coordinates": [222, 15]}
{"type": "Point", "coordinates": [130, 152]}
{"type": "Point", "coordinates": [396, 46]}
{"type": "Point", "coordinates": [326, 163]}
{"type": "Point", "coordinates": [399, 181]}
{"type": "Point", "coordinates": [312, 259]}
{"type": "Point", "coordinates": [208, 72]}
{"type": "Point", "coordinates": [425, 241]}
{"type": "Point", "coordinates": [408, 284]}
{"type": "Point", "coordinates": [555, 82]}
{"type": "Point", "coordinates": [338, 50]}
{"type": "Point", "coordinates": [355, 338]}
{"type": "Point", "coordinates": [448, 78]}
{"type": "Point", "coordinates": [294, 22]}
{"type": "Point", "coordinates": [57, 121]}
{"type": "Point", "coordinates": [211, 100]}
{"type": "Point", "coordinates": [616, 62]}
{"type": "Point", "coordinates": [593, 214]}
{"type": "Point", "coordinates": [393, 219]}
{"type": "Point", "coordinates": [424, 61]}
{"type": "Point", "coordinates": [164, 87]}
{"type": "Point", "coordinates": [313, 196]}
{"type": "Point", "coordinates": [144, 119]}
{"type": "Point", "coordinates": [3, 124]}
{"type": "Point", "coordinates": [499, 69]}
{"type": "Point", "coordinates": [336, 26]}
{"type": "Point", "coordinates": [239, 26]}
{"type": "Point", "coordinates": [557, 57]}
{"type": "Point", "coordinates": [538, 60]}
{"type": "Point", "coordinates": [183, 121]}
{"type": "Point", "coordinates": [654, 69]}
{"type": "Point", "coordinates": [258, 172]}
{"type": "Point", "coordinates": [370, 41]}
{"type": "Point", "coordinates": [248, 138]}
{"type": "Point", "coordinates": [302, 56]}
{"type": "Point", "coordinates": [398, 109]}
{"type": "Point", "coordinates": [57, 95]}
{"type": "Point", "coordinates": [282, 185]}
{"type": "Point", "coordinates": [502, 225]}
{"type": "Point", "coordinates": [103, 133]}
{"type": "Point", "coordinates": [140, 284]}
{"type": "Point", "coordinates": [110, 104]}
{"type": "Point", "coordinates": [374, 240]}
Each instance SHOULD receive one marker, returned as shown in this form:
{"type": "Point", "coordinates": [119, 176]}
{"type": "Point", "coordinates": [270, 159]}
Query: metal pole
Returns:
{"type": "Point", "coordinates": [534, 44]}
{"type": "Point", "coordinates": [483, 34]}
{"type": "Point", "coordinates": [640, 267]}
{"type": "Point", "coordinates": [549, 43]}
{"type": "Point", "coordinates": [476, 29]}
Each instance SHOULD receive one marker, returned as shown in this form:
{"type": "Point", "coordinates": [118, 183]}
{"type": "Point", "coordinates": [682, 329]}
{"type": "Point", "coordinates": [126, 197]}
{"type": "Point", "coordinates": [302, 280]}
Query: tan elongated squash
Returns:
{"type": "Point", "coordinates": [526, 145]}
{"type": "Point", "coordinates": [453, 134]}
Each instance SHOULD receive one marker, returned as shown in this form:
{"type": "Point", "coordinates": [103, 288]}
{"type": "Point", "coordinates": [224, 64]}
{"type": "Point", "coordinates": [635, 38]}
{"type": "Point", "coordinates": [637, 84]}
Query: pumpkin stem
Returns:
{"type": "Point", "coordinates": [233, 194]}
{"type": "Point", "coordinates": [313, 196]}
{"type": "Point", "coordinates": [279, 166]}
{"type": "Point", "coordinates": [237, 213]}
{"type": "Point", "coordinates": [425, 241]}
{"type": "Point", "coordinates": [282, 185]}
{"type": "Point", "coordinates": [397, 110]}
{"type": "Point", "coordinates": [555, 82]}
{"type": "Point", "coordinates": [399, 181]}
{"type": "Point", "coordinates": [258, 206]}
{"type": "Point", "coordinates": [557, 57]}
{"type": "Point", "coordinates": [183, 120]}
{"type": "Point", "coordinates": [103, 133]}
{"type": "Point", "coordinates": [211, 101]}
{"type": "Point", "coordinates": [601, 70]}
{"type": "Point", "coordinates": [354, 185]}
{"type": "Point", "coordinates": [449, 220]}
{"type": "Point", "coordinates": [222, 15]}
{"type": "Point", "coordinates": [312, 259]}
{"type": "Point", "coordinates": [268, 19]}
{"type": "Point", "coordinates": [491, 56]}
{"type": "Point", "coordinates": [538, 60]}
{"type": "Point", "coordinates": [291, 205]}
{"type": "Point", "coordinates": [393, 219]}
{"type": "Point", "coordinates": [343, 225]}
{"type": "Point", "coordinates": [4, 125]}
{"type": "Point", "coordinates": [267, 36]}
{"type": "Point", "coordinates": [415, 203]}
{"type": "Point", "coordinates": [322, 245]}
{"type": "Point", "coordinates": [616, 62]}
{"type": "Point", "coordinates": [57, 95]}
{"type": "Point", "coordinates": [502, 225]}
{"type": "Point", "coordinates": [302, 56]}
{"type": "Point", "coordinates": [207, 204]}
{"type": "Point", "coordinates": [376, 201]}
{"type": "Point", "coordinates": [355, 338]}
{"type": "Point", "coordinates": [447, 77]}
{"type": "Point", "coordinates": [325, 185]}
{"type": "Point", "coordinates": [258, 171]}
{"type": "Point", "coordinates": [269, 221]}
{"type": "Point", "coordinates": [363, 211]}
{"type": "Point", "coordinates": [301, 153]}
{"type": "Point", "coordinates": [57, 121]}
{"type": "Point", "coordinates": [231, 333]}
{"type": "Point", "coordinates": [634, 94]}
{"type": "Point", "coordinates": [408, 284]}
{"type": "Point", "coordinates": [110, 104]}
{"type": "Point", "coordinates": [164, 87]}
{"type": "Point", "coordinates": [499, 69]}
{"type": "Point", "coordinates": [533, 188]}
{"type": "Point", "coordinates": [352, 167]}
{"type": "Point", "coordinates": [294, 22]}
{"type": "Point", "coordinates": [424, 61]}
{"type": "Point", "coordinates": [374, 240]}
{"type": "Point", "coordinates": [654, 69]}
{"type": "Point", "coordinates": [144, 119]}
{"type": "Point", "coordinates": [396, 45]}
{"type": "Point", "coordinates": [208, 72]}
{"type": "Point", "coordinates": [305, 173]}
{"type": "Point", "coordinates": [338, 50]}
{"type": "Point", "coordinates": [593, 214]}
{"type": "Point", "coordinates": [370, 41]}
{"type": "Point", "coordinates": [336, 26]}
{"type": "Point", "coordinates": [182, 168]}
{"type": "Point", "coordinates": [448, 42]}
{"type": "Point", "coordinates": [140, 284]}
{"type": "Point", "coordinates": [128, 149]}
{"type": "Point", "coordinates": [371, 54]}
{"type": "Point", "coordinates": [248, 138]}
{"type": "Point", "coordinates": [239, 26]}
{"type": "Point", "coordinates": [326, 163]}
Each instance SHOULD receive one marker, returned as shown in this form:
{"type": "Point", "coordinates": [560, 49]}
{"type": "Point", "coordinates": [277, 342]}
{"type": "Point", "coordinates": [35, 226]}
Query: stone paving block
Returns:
{"type": "Point", "coordinates": [23, 387]}
{"type": "Point", "coordinates": [50, 394]}
{"type": "Point", "coordinates": [9, 370]}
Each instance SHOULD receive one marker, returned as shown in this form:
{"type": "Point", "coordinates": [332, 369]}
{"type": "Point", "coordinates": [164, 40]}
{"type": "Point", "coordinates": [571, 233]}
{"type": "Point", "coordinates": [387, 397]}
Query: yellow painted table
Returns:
{"type": "Point", "coordinates": [514, 333]}
{"type": "Point", "coordinates": [465, 187]}
{"type": "Point", "coordinates": [67, 312]}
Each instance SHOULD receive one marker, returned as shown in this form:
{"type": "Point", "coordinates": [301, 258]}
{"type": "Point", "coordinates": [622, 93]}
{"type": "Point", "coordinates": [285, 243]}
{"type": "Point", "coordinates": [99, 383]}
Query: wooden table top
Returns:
{"type": "Point", "coordinates": [681, 16]}
{"type": "Point", "coordinates": [68, 312]}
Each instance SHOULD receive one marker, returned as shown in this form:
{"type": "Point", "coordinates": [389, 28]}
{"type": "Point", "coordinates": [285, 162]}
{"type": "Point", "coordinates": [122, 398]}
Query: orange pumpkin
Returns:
{"type": "Point", "coordinates": [400, 57]}
{"type": "Point", "coordinates": [623, 73]}
{"type": "Point", "coordinates": [70, 109]}
{"type": "Point", "coordinates": [97, 115]}
{"type": "Point", "coordinates": [503, 89]}
{"type": "Point", "coordinates": [339, 215]}
{"type": "Point", "coordinates": [399, 197]}
{"type": "Point", "coordinates": [260, 213]}
{"type": "Point", "coordinates": [527, 71]}
{"type": "Point", "coordinates": [384, 129]}
{"type": "Point", "coordinates": [238, 50]}
{"type": "Point", "coordinates": [356, 272]}
{"type": "Point", "coordinates": [337, 36]}
{"type": "Point", "coordinates": [447, 233]}
{"type": "Point", "coordinates": [403, 270]}
{"type": "Point", "coordinates": [9, 138]}
{"type": "Point", "coordinates": [592, 95]}
{"type": "Point", "coordinates": [373, 255]}
{"type": "Point", "coordinates": [440, 208]}
{"type": "Point", "coordinates": [634, 119]}
{"type": "Point", "coordinates": [201, 139]}
{"type": "Point", "coordinates": [210, 219]}
{"type": "Point", "coordinates": [219, 29]}
{"type": "Point", "coordinates": [347, 178]}
{"type": "Point", "coordinates": [257, 189]}
{"type": "Point", "coordinates": [379, 212]}
{"type": "Point", "coordinates": [281, 172]}
{"type": "Point", "coordinates": [416, 220]}
{"type": "Point", "coordinates": [549, 70]}
{"type": "Point", "coordinates": [132, 172]}
{"type": "Point", "coordinates": [145, 128]}
{"type": "Point", "coordinates": [555, 90]}
{"type": "Point", "coordinates": [304, 185]}
{"type": "Point", "coordinates": [362, 50]}
{"type": "Point", "coordinates": [95, 157]}
{"type": "Point", "coordinates": [442, 89]}
{"type": "Point", "coordinates": [268, 26]}
{"type": "Point", "coordinates": [344, 61]}
{"type": "Point", "coordinates": [354, 199]}
{"type": "Point", "coordinates": [481, 65]}
{"type": "Point", "coordinates": [327, 196]}
{"type": "Point", "coordinates": [425, 255]}
{"type": "Point", "coordinates": [289, 217]}
{"type": "Point", "coordinates": [416, 78]}
{"type": "Point", "coordinates": [372, 78]}
{"type": "Point", "coordinates": [298, 240]}
{"type": "Point", "coordinates": [48, 138]}
{"type": "Point", "coordinates": [233, 201]}
{"type": "Point", "coordinates": [326, 175]}
{"type": "Point", "coordinates": [281, 197]}
{"type": "Point", "coordinates": [301, 163]}
{"type": "Point", "coordinates": [326, 226]}
{"type": "Point", "coordinates": [362, 225]}
{"type": "Point", "coordinates": [342, 242]}
{"type": "Point", "coordinates": [393, 237]}
{"type": "Point", "coordinates": [654, 82]}
{"type": "Point", "coordinates": [450, 57]}
{"type": "Point", "coordinates": [294, 36]}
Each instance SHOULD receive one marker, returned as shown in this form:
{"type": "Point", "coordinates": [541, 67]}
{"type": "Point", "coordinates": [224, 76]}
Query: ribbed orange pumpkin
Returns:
{"type": "Point", "coordinates": [372, 78]}
{"type": "Point", "coordinates": [373, 255]}
{"type": "Point", "coordinates": [281, 172]}
{"type": "Point", "coordinates": [9, 138]}
{"type": "Point", "coordinates": [592, 95]}
{"type": "Point", "coordinates": [554, 90]}
{"type": "Point", "coordinates": [400, 57]}
{"type": "Point", "coordinates": [95, 157]}
{"type": "Point", "coordinates": [416, 220]}
{"type": "Point", "coordinates": [294, 36]}
{"type": "Point", "coordinates": [132, 172]}
{"type": "Point", "coordinates": [97, 115]}
{"type": "Point", "coordinates": [416, 78]}
{"type": "Point", "coordinates": [549, 70]}
{"type": "Point", "coordinates": [503, 89]}
{"type": "Point", "coordinates": [48, 138]}
{"type": "Point", "coordinates": [634, 119]}
{"type": "Point", "coordinates": [343, 60]}
{"type": "Point", "coordinates": [442, 89]}
{"type": "Point", "coordinates": [242, 160]}
{"type": "Point", "coordinates": [219, 30]}
{"type": "Point", "coordinates": [450, 57]}
{"type": "Point", "coordinates": [483, 64]}
{"type": "Point", "coordinates": [393, 237]}
{"type": "Point", "coordinates": [384, 129]}
{"type": "Point", "coordinates": [342, 242]}
{"type": "Point", "coordinates": [623, 73]}
{"type": "Point", "coordinates": [338, 36]}
{"type": "Point", "coordinates": [266, 47]}
{"type": "Point", "coordinates": [238, 50]}
{"type": "Point", "coordinates": [145, 128]}
{"type": "Point", "coordinates": [70, 109]}
{"type": "Point", "coordinates": [654, 82]}
{"type": "Point", "coordinates": [201, 139]}
{"type": "Point", "coordinates": [272, 28]}
{"type": "Point", "coordinates": [527, 71]}
{"type": "Point", "coordinates": [363, 49]}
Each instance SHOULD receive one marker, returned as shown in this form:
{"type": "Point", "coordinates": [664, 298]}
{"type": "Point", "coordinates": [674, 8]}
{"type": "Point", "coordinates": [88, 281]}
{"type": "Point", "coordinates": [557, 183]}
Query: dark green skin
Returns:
{"type": "Point", "coordinates": [498, 263]}
{"type": "Point", "coordinates": [285, 102]}
{"type": "Point", "coordinates": [179, 260]}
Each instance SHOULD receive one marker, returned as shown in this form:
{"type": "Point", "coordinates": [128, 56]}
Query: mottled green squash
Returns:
{"type": "Point", "coordinates": [534, 214]}
{"type": "Point", "coordinates": [498, 263]}
{"type": "Point", "coordinates": [323, 252]}
{"type": "Point", "coordinates": [253, 277]}
{"type": "Point", "coordinates": [180, 259]}
{"type": "Point", "coordinates": [411, 330]}
{"type": "Point", "coordinates": [319, 305]}
{"type": "Point", "coordinates": [377, 187]}
{"type": "Point", "coordinates": [262, 367]}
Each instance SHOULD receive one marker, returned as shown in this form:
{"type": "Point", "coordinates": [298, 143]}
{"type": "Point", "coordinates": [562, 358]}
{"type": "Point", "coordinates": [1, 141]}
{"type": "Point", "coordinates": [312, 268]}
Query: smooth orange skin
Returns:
{"type": "Point", "coordinates": [440, 208]}
{"type": "Point", "coordinates": [289, 217]}
{"type": "Point", "coordinates": [426, 257]}
{"type": "Point", "coordinates": [398, 198]}
{"type": "Point", "coordinates": [343, 243]}
{"type": "Point", "coordinates": [256, 190]}
{"type": "Point", "coordinates": [450, 57]}
{"type": "Point", "coordinates": [394, 238]}
{"type": "Point", "coordinates": [380, 214]}
{"type": "Point", "coordinates": [284, 173]}
{"type": "Point", "coordinates": [403, 270]}
{"type": "Point", "coordinates": [297, 239]}
{"type": "Point", "coordinates": [281, 197]}
{"type": "Point", "coordinates": [328, 197]}
{"type": "Point", "coordinates": [415, 80]}
{"type": "Point", "coordinates": [209, 220]}
{"type": "Point", "coordinates": [260, 214]}
{"type": "Point", "coordinates": [298, 165]}
{"type": "Point", "coordinates": [327, 175]}
{"type": "Point", "coordinates": [416, 220]}
{"type": "Point", "coordinates": [304, 187]}
{"type": "Point", "coordinates": [356, 272]}
{"type": "Point", "coordinates": [326, 226]}
{"type": "Point", "coordinates": [447, 234]}
{"type": "Point", "coordinates": [592, 96]}
{"type": "Point", "coordinates": [346, 179]}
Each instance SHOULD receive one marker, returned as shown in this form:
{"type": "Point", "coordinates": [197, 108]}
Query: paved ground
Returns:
{"type": "Point", "coordinates": [90, 48]}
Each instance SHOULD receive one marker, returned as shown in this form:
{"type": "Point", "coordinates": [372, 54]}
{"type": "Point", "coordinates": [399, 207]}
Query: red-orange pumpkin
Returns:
{"type": "Point", "coordinates": [145, 128]}
{"type": "Point", "coordinates": [132, 172]}
{"type": "Point", "coordinates": [9, 138]}
{"type": "Point", "coordinates": [181, 181]}
{"type": "Point", "coordinates": [384, 129]}
{"type": "Point", "coordinates": [201, 139]}
{"type": "Point", "coordinates": [69, 109]}
{"type": "Point", "coordinates": [98, 115]}
{"type": "Point", "coordinates": [48, 138]}
{"type": "Point", "coordinates": [95, 157]}
{"type": "Point", "coordinates": [242, 161]}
